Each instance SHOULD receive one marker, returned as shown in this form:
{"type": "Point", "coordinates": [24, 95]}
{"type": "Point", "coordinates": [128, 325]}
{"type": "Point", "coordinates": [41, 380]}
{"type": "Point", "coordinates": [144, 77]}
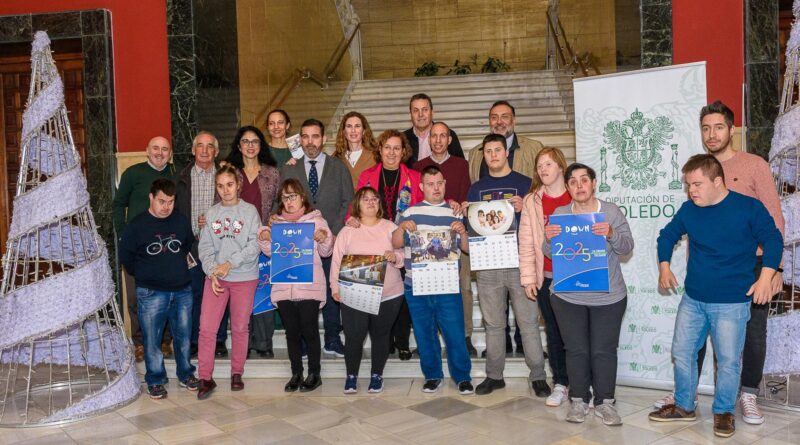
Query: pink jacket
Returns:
{"type": "Point", "coordinates": [409, 179]}
{"type": "Point", "coordinates": [531, 237]}
{"type": "Point", "coordinates": [316, 290]}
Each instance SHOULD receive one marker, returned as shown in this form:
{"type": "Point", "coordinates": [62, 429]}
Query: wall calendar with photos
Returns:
{"type": "Point", "coordinates": [361, 282]}
{"type": "Point", "coordinates": [492, 235]}
{"type": "Point", "coordinates": [434, 258]}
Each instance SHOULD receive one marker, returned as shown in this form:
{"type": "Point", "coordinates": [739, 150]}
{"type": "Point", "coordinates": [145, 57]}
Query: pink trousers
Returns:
{"type": "Point", "coordinates": [240, 294]}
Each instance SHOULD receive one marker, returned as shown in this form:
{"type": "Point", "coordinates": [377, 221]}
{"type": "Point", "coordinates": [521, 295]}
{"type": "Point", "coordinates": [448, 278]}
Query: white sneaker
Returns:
{"type": "Point", "coordinates": [557, 396]}
{"type": "Point", "coordinates": [750, 412]}
{"type": "Point", "coordinates": [577, 411]}
{"type": "Point", "coordinates": [669, 399]}
{"type": "Point", "coordinates": [608, 413]}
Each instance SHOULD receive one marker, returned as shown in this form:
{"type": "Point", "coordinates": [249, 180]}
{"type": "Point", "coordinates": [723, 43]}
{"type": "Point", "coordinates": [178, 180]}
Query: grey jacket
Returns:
{"type": "Point", "coordinates": [335, 189]}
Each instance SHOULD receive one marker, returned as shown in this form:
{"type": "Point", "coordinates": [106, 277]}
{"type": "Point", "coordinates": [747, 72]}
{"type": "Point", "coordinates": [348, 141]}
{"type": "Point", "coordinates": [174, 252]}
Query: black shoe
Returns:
{"type": "Point", "coordinates": [432, 385]}
{"type": "Point", "coordinates": [221, 350]}
{"type": "Point", "coordinates": [157, 392]}
{"type": "Point", "coordinates": [313, 381]}
{"type": "Point", "coordinates": [404, 354]}
{"type": "Point", "coordinates": [465, 388]}
{"type": "Point", "coordinates": [266, 354]}
{"type": "Point", "coordinates": [294, 383]}
{"type": "Point", "coordinates": [541, 388]}
{"type": "Point", "coordinates": [193, 350]}
{"type": "Point", "coordinates": [471, 349]}
{"type": "Point", "coordinates": [489, 385]}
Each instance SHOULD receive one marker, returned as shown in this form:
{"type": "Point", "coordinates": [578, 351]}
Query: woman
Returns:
{"type": "Point", "coordinates": [399, 188]}
{"type": "Point", "coordinates": [548, 192]}
{"type": "Point", "coordinates": [228, 250]}
{"type": "Point", "coordinates": [260, 179]}
{"type": "Point", "coordinates": [592, 320]}
{"type": "Point", "coordinates": [372, 237]}
{"type": "Point", "coordinates": [278, 124]}
{"type": "Point", "coordinates": [355, 145]}
{"type": "Point", "coordinates": [299, 304]}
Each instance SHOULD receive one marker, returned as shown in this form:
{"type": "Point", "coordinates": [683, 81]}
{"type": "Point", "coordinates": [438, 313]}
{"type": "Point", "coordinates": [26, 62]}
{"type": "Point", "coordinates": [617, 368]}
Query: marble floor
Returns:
{"type": "Point", "coordinates": [402, 414]}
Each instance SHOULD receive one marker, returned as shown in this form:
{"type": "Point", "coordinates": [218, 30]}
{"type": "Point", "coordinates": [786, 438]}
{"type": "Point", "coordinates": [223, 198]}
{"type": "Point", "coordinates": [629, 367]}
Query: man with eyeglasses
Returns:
{"type": "Point", "coordinates": [131, 199]}
{"type": "Point", "coordinates": [329, 186]}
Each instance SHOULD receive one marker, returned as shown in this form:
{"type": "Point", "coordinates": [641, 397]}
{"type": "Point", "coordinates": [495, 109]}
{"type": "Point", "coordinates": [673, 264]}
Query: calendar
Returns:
{"type": "Point", "coordinates": [580, 258]}
{"type": "Point", "coordinates": [434, 258]}
{"type": "Point", "coordinates": [262, 300]}
{"type": "Point", "coordinates": [361, 282]}
{"type": "Point", "coordinates": [492, 235]}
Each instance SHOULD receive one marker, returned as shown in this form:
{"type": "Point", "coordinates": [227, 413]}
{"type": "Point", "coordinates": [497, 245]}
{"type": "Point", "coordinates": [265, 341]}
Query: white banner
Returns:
{"type": "Point", "coordinates": [637, 129]}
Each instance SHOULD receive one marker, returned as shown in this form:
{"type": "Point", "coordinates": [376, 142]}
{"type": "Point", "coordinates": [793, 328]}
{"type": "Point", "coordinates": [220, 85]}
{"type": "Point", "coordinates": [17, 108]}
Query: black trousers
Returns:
{"type": "Point", "coordinates": [356, 326]}
{"type": "Point", "coordinates": [300, 320]}
{"type": "Point", "coordinates": [591, 337]}
{"type": "Point", "coordinates": [401, 331]}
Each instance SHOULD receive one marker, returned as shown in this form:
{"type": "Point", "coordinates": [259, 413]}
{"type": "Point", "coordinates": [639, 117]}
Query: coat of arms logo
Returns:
{"type": "Point", "coordinates": [637, 143]}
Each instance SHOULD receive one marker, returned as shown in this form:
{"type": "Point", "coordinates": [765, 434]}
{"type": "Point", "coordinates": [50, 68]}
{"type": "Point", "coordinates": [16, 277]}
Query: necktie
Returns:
{"type": "Point", "coordinates": [313, 178]}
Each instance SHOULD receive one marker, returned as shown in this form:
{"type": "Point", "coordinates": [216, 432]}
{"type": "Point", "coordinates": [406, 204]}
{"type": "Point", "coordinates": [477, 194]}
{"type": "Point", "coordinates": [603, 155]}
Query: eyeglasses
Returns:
{"type": "Point", "coordinates": [370, 199]}
{"type": "Point", "coordinates": [249, 142]}
{"type": "Point", "coordinates": [289, 197]}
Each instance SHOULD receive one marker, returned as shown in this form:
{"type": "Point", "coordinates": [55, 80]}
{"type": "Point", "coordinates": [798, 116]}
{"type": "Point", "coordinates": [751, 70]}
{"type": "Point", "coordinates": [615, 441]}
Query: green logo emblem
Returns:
{"type": "Point", "coordinates": [655, 310]}
{"type": "Point", "coordinates": [656, 349]}
{"type": "Point", "coordinates": [631, 327]}
{"type": "Point", "coordinates": [637, 143]}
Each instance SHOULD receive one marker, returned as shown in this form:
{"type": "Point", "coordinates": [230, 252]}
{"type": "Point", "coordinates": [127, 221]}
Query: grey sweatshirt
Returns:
{"type": "Point", "coordinates": [620, 244]}
{"type": "Point", "coordinates": [230, 235]}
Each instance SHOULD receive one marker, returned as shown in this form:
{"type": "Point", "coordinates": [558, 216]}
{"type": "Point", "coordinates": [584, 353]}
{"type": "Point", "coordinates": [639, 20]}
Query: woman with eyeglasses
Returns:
{"type": "Point", "coordinates": [355, 145]}
{"type": "Point", "coordinates": [372, 237]}
{"type": "Point", "coordinates": [278, 124]}
{"type": "Point", "coordinates": [299, 304]}
{"type": "Point", "coordinates": [251, 157]}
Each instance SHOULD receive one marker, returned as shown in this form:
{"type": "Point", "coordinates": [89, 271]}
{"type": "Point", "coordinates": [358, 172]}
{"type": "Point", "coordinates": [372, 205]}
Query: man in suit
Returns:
{"type": "Point", "coordinates": [421, 109]}
{"type": "Point", "coordinates": [327, 181]}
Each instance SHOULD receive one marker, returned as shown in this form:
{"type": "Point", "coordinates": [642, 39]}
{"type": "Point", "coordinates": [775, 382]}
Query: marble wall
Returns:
{"type": "Point", "coordinates": [182, 78]}
{"type": "Point", "coordinates": [762, 73]}
{"type": "Point", "coordinates": [656, 33]}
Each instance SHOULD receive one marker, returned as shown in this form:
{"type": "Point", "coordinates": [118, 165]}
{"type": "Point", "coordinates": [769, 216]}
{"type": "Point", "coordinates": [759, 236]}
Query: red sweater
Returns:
{"type": "Point", "coordinates": [456, 173]}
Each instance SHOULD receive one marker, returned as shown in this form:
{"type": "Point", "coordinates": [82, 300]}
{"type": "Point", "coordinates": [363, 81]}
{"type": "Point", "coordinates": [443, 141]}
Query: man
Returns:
{"type": "Point", "coordinates": [521, 150]}
{"type": "Point", "coordinates": [719, 285]}
{"type": "Point", "coordinates": [456, 173]}
{"type": "Point", "coordinates": [130, 200]}
{"type": "Point", "coordinates": [496, 287]}
{"type": "Point", "coordinates": [154, 249]}
{"type": "Point", "coordinates": [433, 313]}
{"type": "Point", "coordinates": [195, 194]}
{"type": "Point", "coordinates": [421, 109]}
{"type": "Point", "coordinates": [749, 175]}
{"type": "Point", "coordinates": [327, 181]}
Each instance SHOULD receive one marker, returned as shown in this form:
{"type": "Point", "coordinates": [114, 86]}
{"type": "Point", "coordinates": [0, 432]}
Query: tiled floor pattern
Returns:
{"type": "Point", "coordinates": [402, 414]}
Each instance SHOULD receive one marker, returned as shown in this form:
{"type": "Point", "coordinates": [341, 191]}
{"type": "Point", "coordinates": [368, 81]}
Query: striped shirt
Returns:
{"type": "Point", "coordinates": [427, 217]}
{"type": "Point", "coordinates": [202, 194]}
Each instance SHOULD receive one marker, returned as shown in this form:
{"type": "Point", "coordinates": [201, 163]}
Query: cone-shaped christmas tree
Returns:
{"type": "Point", "coordinates": [63, 351]}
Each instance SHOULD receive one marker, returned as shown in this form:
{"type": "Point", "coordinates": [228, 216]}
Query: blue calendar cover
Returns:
{"type": "Point", "coordinates": [262, 301]}
{"type": "Point", "coordinates": [292, 253]}
{"type": "Point", "coordinates": [580, 261]}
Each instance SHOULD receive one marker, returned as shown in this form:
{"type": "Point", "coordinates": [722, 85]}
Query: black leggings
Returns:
{"type": "Point", "coordinates": [300, 320]}
{"type": "Point", "coordinates": [356, 325]}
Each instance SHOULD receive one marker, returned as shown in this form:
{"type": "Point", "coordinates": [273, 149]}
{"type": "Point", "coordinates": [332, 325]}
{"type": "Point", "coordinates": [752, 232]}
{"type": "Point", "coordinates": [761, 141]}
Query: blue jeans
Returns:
{"type": "Point", "coordinates": [727, 323]}
{"type": "Point", "coordinates": [431, 314]}
{"type": "Point", "coordinates": [198, 281]}
{"type": "Point", "coordinates": [155, 308]}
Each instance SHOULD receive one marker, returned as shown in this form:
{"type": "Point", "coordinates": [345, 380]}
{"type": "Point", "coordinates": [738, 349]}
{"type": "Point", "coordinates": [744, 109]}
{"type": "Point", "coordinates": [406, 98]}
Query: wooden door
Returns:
{"type": "Point", "coordinates": [15, 78]}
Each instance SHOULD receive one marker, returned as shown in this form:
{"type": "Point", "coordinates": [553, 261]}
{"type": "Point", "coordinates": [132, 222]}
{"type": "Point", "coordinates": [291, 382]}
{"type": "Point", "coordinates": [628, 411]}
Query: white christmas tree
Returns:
{"type": "Point", "coordinates": [64, 355]}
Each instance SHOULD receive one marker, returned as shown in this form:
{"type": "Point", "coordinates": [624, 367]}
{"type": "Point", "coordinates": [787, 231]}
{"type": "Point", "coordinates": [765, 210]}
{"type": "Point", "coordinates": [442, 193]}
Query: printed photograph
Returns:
{"type": "Point", "coordinates": [490, 218]}
{"type": "Point", "coordinates": [433, 246]}
{"type": "Point", "coordinates": [364, 269]}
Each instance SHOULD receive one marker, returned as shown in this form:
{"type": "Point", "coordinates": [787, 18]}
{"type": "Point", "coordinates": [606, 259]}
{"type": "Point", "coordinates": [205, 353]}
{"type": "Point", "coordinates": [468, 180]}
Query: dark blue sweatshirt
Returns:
{"type": "Point", "coordinates": [722, 246]}
{"type": "Point", "coordinates": [154, 251]}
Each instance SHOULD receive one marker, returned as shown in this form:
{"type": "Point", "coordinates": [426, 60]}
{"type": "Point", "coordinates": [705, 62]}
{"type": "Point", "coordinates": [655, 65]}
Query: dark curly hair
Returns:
{"type": "Point", "coordinates": [264, 155]}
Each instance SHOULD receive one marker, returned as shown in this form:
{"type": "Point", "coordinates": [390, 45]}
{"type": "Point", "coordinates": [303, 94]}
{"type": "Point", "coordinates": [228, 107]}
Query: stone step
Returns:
{"type": "Point", "coordinates": [471, 78]}
{"type": "Point", "coordinates": [433, 90]}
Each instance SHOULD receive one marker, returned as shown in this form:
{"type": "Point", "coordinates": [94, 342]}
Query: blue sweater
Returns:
{"type": "Point", "coordinates": [722, 246]}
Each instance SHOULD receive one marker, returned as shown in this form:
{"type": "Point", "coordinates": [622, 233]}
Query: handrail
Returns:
{"type": "Point", "coordinates": [338, 55]}
{"type": "Point", "coordinates": [280, 95]}
{"type": "Point", "coordinates": [581, 61]}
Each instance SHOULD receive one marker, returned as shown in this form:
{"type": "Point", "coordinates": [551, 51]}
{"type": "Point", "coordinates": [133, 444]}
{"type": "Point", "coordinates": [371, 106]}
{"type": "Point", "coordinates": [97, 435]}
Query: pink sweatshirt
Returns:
{"type": "Point", "coordinates": [531, 237]}
{"type": "Point", "coordinates": [315, 290]}
{"type": "Point", "coordinates": [367, 240]}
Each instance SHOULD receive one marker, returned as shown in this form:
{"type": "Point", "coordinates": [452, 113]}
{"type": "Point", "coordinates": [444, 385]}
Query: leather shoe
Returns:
{"type": "Point", "coordinates": [404, 354]}
{"type": "Point", "coordinates": [294, 383]}
{"type": "Point", "coordinates": [313, 381]}
{"type": "Point", "coordinates": [166, 349]}
{"type": "Point", "coordinates": [221, 350]}
{"type": "Point", "coordinates": [205, 389]}
{"type": "Point", "coordinates": [541, 388]}
{"type": "Point", "coordinates": [236, 382]}
{"type": "Point", "coordinates": [489, 385]}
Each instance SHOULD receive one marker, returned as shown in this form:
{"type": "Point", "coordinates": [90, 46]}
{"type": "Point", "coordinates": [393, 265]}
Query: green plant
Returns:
{"type": "Point", "coordinates": [494, 65]}
{"type": "Point", "coordinates": [463, 68]}
{"type": "Point", "coordinates": [427, 69]}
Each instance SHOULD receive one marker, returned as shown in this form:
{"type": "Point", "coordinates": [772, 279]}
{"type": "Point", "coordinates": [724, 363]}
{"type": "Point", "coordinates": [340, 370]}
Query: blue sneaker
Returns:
{"type": "Point", "coordinates": [375, 384]}
{"type": "Point", "coordinates": [335, 349]}
{"type": "Point", "coordinates": [351, 384]}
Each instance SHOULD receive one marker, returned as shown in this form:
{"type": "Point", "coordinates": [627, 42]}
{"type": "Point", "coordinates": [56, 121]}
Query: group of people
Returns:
{"type": "Point", "coordinates": [370, 195]}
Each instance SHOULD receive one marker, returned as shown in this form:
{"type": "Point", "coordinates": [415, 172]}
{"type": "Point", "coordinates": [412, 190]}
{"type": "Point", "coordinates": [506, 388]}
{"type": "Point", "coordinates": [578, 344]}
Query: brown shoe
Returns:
{"type": "Point", "coordinates": [672, 413]}
{"type": "Point", "coordinates": [236, 382]}
{"type": "Point", "coordinates": [138, 353]}
{"type": "Point", "coordinates": [166, 349]}
{"type": "Point", "coordinates": [724, 425]}
{"type": "Point", "coordinates": [206, 387]}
